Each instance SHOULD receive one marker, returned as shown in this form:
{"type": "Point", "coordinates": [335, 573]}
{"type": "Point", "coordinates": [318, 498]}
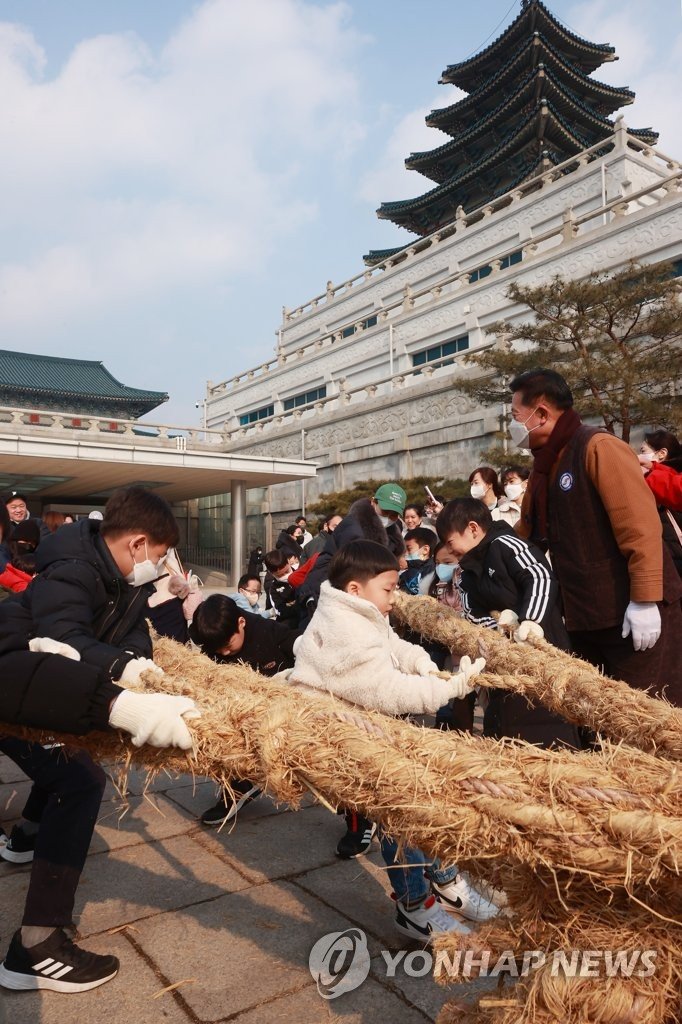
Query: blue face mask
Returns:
{"type": "Point", "coordinates": [445, 572]}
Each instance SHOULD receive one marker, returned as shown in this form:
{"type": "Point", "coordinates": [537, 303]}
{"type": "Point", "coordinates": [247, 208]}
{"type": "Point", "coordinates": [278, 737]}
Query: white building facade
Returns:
{"type": "Point", "coordinates": [362, 379]}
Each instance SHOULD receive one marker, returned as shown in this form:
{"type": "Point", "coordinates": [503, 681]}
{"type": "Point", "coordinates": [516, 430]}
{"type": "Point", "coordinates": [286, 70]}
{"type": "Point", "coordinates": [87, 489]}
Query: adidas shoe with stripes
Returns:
{"type": "Point", "coordinates": [56, 964]}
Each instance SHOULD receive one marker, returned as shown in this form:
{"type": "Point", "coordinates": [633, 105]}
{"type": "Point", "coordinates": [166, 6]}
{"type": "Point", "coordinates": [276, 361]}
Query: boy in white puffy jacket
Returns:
{"type": "Point", "coordinates": [350, 650]}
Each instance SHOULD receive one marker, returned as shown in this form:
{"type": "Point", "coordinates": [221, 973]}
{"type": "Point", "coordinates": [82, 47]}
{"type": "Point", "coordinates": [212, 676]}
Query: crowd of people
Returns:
{"type": "Point", "coordinates": [583, 550]}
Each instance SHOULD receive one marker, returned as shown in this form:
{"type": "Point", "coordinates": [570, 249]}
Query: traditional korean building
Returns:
{"type": "Point", "coordinates": [531, 105]}
{"type": "Point", "coordinates": [29, 381]}
{"type": "Point", "coordinates": [537, 179]}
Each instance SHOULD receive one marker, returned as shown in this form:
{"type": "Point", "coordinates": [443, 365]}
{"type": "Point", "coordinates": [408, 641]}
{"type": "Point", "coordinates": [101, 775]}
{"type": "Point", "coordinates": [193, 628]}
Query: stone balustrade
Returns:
{"type": "Point", "coordinates": [563, 234]}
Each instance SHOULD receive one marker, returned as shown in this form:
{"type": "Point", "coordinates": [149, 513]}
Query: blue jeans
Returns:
{"type": "Point", "coordinates": [411, 876]}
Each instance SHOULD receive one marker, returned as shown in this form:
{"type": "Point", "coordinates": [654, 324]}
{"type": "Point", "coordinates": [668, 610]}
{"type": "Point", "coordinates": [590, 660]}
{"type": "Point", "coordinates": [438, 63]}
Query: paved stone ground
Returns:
{"type": "Point", "coordinates": [228, 917]}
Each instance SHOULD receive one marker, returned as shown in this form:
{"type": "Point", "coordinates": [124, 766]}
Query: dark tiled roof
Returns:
{"type": "Point", "coordinates": [599, 94]}
{"type": "Point", "coordinates": [375, 256]}
{"type": "Point", "coordinates": [532, 17]}
{"type": "Point", "coordinates": [77, 378]}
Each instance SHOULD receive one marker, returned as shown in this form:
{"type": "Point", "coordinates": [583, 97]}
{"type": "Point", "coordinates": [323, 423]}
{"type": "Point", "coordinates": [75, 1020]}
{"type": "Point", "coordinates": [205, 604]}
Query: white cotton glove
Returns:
{"type": "Point", "coordinates": [643, 620]}
{"type": "Point", "coordinates": [44, 645]}
{"type": "Point", "coordinates": [154, 718]}
{"type": "Point", "coordinates": [461, 681]}
{"type": "Point", "coordinates": [423, 666]}
{"type": "Point", "coordinates": [508, 621]}
{"type": "Point", "coordinates": [135, 668]}
{"type": "Point", "coordinates": [529, 630]}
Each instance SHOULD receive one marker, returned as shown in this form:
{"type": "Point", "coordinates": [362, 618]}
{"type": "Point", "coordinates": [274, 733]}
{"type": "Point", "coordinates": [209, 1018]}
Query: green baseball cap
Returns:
{"type": "Point", "coordinates": [391, 498]}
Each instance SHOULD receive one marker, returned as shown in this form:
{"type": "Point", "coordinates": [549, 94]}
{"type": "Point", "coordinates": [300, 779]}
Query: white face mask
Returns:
{"type": "Point", "coordinates": [477, 491]}
{"type": "Point", "coordinates": [384, 520]}
{"type": "Point", "coordinates": [513, 491]}
{"type": "Point", "coordinates": [145, 571]}
{"type": "Point", "coordinates": [250, 597]}
{"type": "Point", "coordinates": [520, 434]}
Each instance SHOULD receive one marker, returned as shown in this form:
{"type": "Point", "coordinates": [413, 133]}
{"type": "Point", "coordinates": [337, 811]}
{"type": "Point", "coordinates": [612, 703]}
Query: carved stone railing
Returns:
{"type": "Point", "coordinates": [97, 428]}
{"type": "Point", "coordinates": [565, 233]}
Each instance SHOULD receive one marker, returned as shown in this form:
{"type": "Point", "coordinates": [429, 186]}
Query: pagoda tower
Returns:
{"type": "Point", "coordinates": [531, 104]}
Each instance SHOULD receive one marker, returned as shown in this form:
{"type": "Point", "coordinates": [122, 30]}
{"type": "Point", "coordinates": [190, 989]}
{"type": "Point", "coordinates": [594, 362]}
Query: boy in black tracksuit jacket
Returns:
{"type": "Point", "coordinates": [500, 571]}
{"type": "Point", "coordinates": [65, 643]}
{"type": "Point", "coordinates": [228, 635]}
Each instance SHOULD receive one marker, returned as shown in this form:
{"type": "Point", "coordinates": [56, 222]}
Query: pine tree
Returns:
{"type": "Point", "coordinates": [615, 338]}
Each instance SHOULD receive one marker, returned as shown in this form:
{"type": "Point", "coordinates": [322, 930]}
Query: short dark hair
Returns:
{"type": "Point", "coordinates": [423, 537]}
{"type": "Point", "coordinates": [488, 474]}
{"type": "Point", "coordinates": [215, 621]}
{"type": "Point", "coordinates": [275, 560]}
{"type": "Point", "coordinates": [360, 561]}
{"type": "Point", "coordinates": [658, 439]}
{"type": "Point", "coordinates": [521, 471]}
{"type": "Point", "coordinates": [135, 509]}
{"type": "Point", "coordinates": [246, 578]}
{"type": "Point", "coordinates": [457, 515]}
{"type": "Point", "coordinates": [541, 383]}
{"type": "Point", "coordinates": [291, 530]}
{"type": "Point", "coordinates": [419, 509]}
{"type": "Point", "coordinates": [301, 519]}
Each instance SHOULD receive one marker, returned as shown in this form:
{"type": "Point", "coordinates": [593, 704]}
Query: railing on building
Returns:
{"type": "Point", "coordinates": [562, 234]}
{"type": "Point", "coordinates": [104, 428]}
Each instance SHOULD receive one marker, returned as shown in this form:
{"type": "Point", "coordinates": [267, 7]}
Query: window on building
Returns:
{"type": "Point", "coordinates": [305, 398]}
{"type": "Point", "coordinates": [440, 353]}
{"type": "Point", "coordinates": [506, 261]}
{"type": "Point", "coordinates": [256, 414]}
{"type": "Point", "coordinates": [370, 321]}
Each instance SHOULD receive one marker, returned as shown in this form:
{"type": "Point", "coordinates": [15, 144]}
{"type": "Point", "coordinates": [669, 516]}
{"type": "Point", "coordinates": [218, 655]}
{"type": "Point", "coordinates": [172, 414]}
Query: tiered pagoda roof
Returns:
{"type": "Point", "coordinates": [71, 385]}
{"type": "Point", "coordinates": [531, 104]}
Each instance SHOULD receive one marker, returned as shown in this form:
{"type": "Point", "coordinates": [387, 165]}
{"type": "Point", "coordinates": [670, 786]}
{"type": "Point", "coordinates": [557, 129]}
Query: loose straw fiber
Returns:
{"type": "Point", "coordinates": [561, 682]}
{"type": "Point", "coordinates": [601, 819]}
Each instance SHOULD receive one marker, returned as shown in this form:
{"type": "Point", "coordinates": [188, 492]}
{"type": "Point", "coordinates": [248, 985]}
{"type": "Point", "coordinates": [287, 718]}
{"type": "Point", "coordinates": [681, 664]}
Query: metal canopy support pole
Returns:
{"type": "Point", "coordinates": [238, 492]}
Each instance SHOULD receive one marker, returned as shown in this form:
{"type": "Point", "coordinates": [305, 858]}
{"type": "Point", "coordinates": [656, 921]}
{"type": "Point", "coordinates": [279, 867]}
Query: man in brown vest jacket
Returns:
{"type": "Point", "coordinates": [588, 504]}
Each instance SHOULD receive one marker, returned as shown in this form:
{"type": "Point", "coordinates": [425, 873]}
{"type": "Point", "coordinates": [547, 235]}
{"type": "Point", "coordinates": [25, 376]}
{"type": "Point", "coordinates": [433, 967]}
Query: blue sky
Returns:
{"type": "Point", "coordinates": [175, 172]}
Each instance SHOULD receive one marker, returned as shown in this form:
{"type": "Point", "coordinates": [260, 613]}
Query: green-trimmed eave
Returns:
{"type": "Point", "coordinates": [401, 211]}
{"type": "Point", "coordinates": [34, 374]}
{"type": "Point", "coordinates": [588, 56]}
{"type": "Point", "coordinates": [434, 164]}
{"type": "Point", "coordinates": [375, 256]}
{"type": "Point", "coordinates": [452, 118]}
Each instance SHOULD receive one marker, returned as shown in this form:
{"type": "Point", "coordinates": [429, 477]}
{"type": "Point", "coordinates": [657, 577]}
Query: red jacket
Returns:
{"type": "Point", "coordinates": [666, 485]}
{"type": "Point", "coordinates": [298, 576]}
{"type": "Point", "coordinates": [14, 579]}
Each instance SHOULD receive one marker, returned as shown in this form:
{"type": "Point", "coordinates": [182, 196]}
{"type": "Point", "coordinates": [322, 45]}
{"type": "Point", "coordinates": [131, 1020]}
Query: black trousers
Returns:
{"type": "Point", "coordinates": [659, 669]}
{"type": "Point", "coordinates": [66, 800]}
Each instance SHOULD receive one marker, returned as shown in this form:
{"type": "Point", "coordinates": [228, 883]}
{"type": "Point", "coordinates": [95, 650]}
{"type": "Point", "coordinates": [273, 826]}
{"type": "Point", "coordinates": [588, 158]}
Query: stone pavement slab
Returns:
{"type": "Point", "coordinates": [142, 881]}
{"type": "Point", "coordinates": [244, 949]}
{"type": "Point", "coordinates": [232, 915]}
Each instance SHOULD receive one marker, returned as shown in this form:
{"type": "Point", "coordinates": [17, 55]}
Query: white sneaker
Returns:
{"type": "Point", "coordinates": [460, 896]}
{"type": "Point", "coordinates": [496, 896]}
{"type": "Point", "coordinates": [426, 920]}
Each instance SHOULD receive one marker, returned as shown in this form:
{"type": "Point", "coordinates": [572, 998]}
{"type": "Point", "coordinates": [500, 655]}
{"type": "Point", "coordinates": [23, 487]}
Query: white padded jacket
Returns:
{"type": "Point", "coordinates": [350, 650]}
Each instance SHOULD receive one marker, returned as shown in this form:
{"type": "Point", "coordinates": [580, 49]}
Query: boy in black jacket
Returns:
{"type": "Point", "coordinates": [227, 634]}
{"type": "Point", "coordinates": [501, 572]}
{"type": "Point", "coordinates": [77, 630]}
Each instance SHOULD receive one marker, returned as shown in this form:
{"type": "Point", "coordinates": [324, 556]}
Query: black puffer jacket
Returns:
{"type": "Point", "coordinates": [361, 523]}
{"type": "Point", "coordinates": [81, 599]}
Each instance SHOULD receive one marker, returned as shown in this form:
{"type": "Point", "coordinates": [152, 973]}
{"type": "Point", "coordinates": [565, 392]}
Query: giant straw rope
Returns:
{"type": "Point", "coordinates": [569, 835]}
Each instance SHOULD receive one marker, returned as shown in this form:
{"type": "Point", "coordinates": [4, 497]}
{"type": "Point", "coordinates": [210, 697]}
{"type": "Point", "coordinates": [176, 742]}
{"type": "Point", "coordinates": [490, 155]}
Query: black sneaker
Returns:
{"type": "Point", "coordinates": [358, 838]}
{"type": "Point", "coordinates": [55, 964]}
{"type": "Point", "coordinates": [19, 847]}
{"type": "Point", "coordinates": [226, 809]}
